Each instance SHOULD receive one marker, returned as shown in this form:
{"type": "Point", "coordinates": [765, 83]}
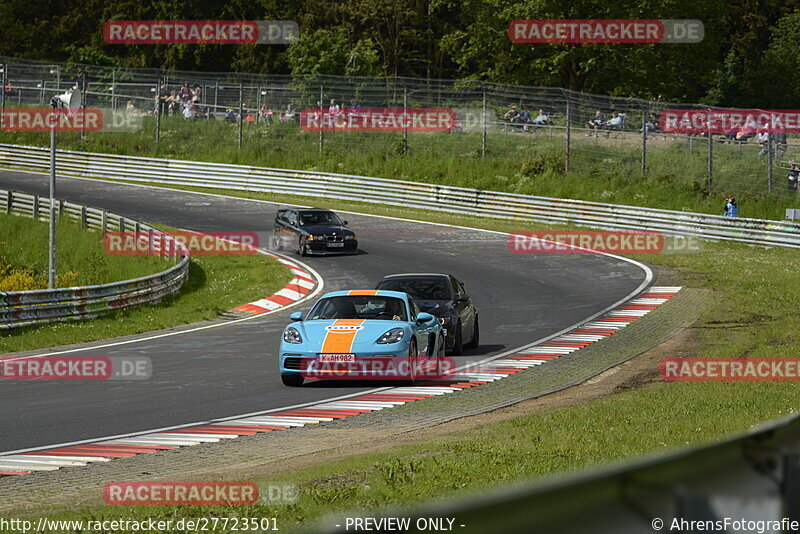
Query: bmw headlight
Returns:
{"type": "Point", "coordinates": [350, 237]}
{"type": "Point", "coordinates": [392, 336]}
{"type": "Point", "coordinates": [292, 335]}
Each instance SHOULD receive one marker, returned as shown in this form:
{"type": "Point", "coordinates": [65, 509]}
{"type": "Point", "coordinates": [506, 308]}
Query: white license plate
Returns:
{"type": "Point", "coordinates": [335, 358]}
{"type": "Point", "coordinates": [335, 244]}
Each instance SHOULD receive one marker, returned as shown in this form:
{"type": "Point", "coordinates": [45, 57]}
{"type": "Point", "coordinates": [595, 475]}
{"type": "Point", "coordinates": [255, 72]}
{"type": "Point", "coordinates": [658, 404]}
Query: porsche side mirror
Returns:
{"type": "Point", "coordinates": [296, 316]}
{"type": "Point", "coordinates": [424, 317]}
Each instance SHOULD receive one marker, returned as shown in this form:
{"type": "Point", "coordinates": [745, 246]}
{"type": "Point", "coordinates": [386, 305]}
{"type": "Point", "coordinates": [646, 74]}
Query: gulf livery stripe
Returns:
{"type": "Point", "coordinates": [341, 335]}
{"type": "Point", "coordinates": [339, 341]}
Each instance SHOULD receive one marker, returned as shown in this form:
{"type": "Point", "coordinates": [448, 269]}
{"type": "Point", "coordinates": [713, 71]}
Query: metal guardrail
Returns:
{"type": "Point", "coordinates": [24, 308]}
{"type": "Point", "coordinates": [407, 194]}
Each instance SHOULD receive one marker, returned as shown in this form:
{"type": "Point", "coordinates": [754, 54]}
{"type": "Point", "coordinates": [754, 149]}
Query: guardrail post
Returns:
{"type": "Point", "coordinates": [771, 153]}
{"type": "Point", "coordinates": [405, 123]}
{"type": "Point", "coordinates": [569, 137]}
{"type": "Point", "coordinates": [122, 224]}
{"type": "Point", "coordinates": [644, 143]}
{"type": "Point", "coordinates": [104, 222]}
{"type": "Point", "coordinates": [710, 161]}
{"type": "Point", "coordinates": [241, 115]}
{"type": "Point", "coordinates": [9, 201]}
{"type": "Point", "coordinates": [35, 207]}
{"type": "Point", "coordinates": [158, 116]}
{"type": "Point", "coordinates": [84, 218]}
{"type": "Point", "coordinates": [485, 118]}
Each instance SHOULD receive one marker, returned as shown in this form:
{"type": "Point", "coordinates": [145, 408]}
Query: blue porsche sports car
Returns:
{"type": "Point", "coordinates": [362, 334]}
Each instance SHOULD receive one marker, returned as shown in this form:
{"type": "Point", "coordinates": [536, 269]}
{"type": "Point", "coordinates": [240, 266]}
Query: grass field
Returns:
{"type": "Point", "coordinates": [753, 313]}
{"type": "Point", "coordinates": [216, 283]}
{"type": "Point", "coordinates": [602, 169]}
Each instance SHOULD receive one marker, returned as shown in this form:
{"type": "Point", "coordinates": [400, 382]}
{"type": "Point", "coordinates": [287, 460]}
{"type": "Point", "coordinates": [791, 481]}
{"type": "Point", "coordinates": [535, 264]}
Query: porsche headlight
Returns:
{"type": "Point", "coordinates": [292, 335]}
{"type": "Point", "coordinates": [392, 336]}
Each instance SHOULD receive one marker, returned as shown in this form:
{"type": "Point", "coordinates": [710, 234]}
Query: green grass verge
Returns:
{"type": "Point", "coordinates": [216, 284]}
{"type": "Point", "coordinates": [753, 314]}
{"type": "Point", "coordinates": [604, 170]}
{"type": "Point", "coordinates": [80, 259]}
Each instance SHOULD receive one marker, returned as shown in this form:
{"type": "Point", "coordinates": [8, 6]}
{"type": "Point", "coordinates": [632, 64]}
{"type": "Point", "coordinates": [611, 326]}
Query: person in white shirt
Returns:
{"type": "Point", "coordinates": [334, 109]}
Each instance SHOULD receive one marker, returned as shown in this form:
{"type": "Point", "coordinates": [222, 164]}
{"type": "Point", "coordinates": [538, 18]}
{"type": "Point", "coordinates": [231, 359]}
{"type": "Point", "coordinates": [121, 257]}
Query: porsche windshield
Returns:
{"type": "Point", "coordinates": [360, 307]}
{"type": "Point", "coordinates": [319, 218]}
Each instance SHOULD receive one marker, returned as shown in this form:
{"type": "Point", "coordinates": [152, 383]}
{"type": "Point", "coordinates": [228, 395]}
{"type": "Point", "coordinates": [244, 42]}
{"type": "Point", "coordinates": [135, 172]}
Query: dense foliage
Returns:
{"type": "Point", "coordinates": [751, 47]}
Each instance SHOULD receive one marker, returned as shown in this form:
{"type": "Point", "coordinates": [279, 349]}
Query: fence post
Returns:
{"type": "Point", "coordinates": [771, 152]}
{"type": "Point", "coordinates": [4, 67]}
{"type": "Point", "coordinates": [485, 118]}
{"type": "Point", "coordinates": [710, 161]}
{"type": "Point", "coordinates": [321, 107]}
{"type": "Point", "coordinates": [114, 89]}
{"type": "Point", "coordinates": [241, 114]}
{"type": "Point", "coordinates": [158, 116]}
{"type": "Point", "coordinates": [216, 89]}
{"type": "Point", "coordinates": [569, 137]}
{"type": "Point", "coordinates": [644, 144]}
{"type": "Point", "coordinates": [405, 123]}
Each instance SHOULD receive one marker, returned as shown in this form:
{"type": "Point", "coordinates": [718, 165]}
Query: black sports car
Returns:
{"type": "Point", "coordinates": [444, 296]}
{"type": "Point", "coordinates": [313, 231]}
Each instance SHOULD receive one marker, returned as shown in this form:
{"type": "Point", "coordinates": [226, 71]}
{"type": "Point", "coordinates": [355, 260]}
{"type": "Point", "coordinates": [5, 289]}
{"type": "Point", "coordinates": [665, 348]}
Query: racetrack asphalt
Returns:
{"type": "Point", "coordinates": [232, 369]}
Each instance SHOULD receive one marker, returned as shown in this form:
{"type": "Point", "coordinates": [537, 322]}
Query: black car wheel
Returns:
{"type": "Point", "coordinates": [302, 247]}
{"type": "Point", "coordinates": [476, 336]}
{"type": "Point", "coordinates": [458, 343]}
{"type": "Point", "coordinates": [292, 380]}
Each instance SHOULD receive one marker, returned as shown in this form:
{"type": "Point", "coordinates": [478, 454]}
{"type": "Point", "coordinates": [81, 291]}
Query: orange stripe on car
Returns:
{"type": "Point", "coordinates": [369, 292]}
{"type": "Point", "coordinates": [340, 336]}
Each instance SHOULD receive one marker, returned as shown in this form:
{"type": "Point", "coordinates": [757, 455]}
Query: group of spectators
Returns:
{"type": "Point", "coordinates": [186, 101]}
{"type": "Point", "coordinates": [598, 122]}
{"type": "Point", "coordinates": [520, 119]}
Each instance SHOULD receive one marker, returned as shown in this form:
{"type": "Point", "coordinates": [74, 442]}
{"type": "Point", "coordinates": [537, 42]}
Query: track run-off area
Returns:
{"type": "Point", "coordinates": [223, 369]}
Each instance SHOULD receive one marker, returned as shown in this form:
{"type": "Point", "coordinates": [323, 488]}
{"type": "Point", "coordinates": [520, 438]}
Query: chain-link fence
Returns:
{"type": "Point", "coordinates": [560, 129]}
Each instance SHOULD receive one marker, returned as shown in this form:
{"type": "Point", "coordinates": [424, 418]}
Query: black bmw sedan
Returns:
{"type": "Point", "coordinates": [313, 231]}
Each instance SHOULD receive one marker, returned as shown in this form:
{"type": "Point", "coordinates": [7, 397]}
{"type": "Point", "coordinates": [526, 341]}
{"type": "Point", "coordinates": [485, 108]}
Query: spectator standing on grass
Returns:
{"type": "Point", "coordinates": [731, 209]}
{"type": "Point", "coordinates": [762, 138]}
{"type": "Point", "coordinates": [173, 103]}
{"type": "Point", "coordinates": [185, 93]}
{"type": "Point", "coordinates": [130, 109]}
{"type": "Point", "coordinates": [793, 178]}
{"type": "Point", "coordinates": [197, 94]}
{"type": "Point", "coordinates": [334, 108]}
{"type": "Point", "coordinates": [163, 100]}
{"type": "Point", "coordinates": [9, 88]}
{"type": "Point", "coordinates": [265, 114]}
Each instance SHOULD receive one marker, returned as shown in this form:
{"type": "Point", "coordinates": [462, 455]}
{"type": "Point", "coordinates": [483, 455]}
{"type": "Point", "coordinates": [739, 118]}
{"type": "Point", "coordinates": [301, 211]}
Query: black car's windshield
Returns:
{"type": "Point", "coordinates": [420, 288]}
{"type": "Point", "coordinates": [360, 307]}
{"type": "Point", "coordinates": [319, 218]}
